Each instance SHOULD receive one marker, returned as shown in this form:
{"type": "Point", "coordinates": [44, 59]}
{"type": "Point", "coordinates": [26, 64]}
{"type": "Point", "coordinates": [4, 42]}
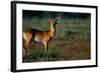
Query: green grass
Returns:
{"type": "Point", "coordinates": [72, 40]}
{"type": "Point", "coordinates": [41, 55]}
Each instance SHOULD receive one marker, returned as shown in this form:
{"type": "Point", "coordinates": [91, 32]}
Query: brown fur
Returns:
{"type": "Point", "coordinates": [43, 37]}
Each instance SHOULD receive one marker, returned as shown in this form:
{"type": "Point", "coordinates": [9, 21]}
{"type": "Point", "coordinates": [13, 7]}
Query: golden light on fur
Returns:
{"type": "Point", "coordinates": [30, 35]}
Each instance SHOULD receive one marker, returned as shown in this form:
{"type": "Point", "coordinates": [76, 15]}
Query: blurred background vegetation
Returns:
{"type": "Point", "coordinates": [72, 40]}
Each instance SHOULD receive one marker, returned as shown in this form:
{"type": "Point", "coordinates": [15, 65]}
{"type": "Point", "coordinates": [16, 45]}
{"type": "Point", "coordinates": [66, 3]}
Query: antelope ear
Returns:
{"type": "Point", "coordinates": [49, 21]}
{"type": "Point", "coordinates": [58, 18]}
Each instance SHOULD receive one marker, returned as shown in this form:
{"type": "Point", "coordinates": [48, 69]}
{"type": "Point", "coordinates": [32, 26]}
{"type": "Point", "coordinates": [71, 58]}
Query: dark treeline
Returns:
{"type": "Point", "coordinates": [50, 14]}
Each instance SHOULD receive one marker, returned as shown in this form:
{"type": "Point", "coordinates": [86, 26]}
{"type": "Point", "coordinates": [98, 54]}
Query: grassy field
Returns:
{"type": "Point", "coordinates": [71, 42]}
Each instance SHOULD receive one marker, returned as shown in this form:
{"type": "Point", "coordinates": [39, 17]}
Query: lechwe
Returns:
{"type": "Point", "coordinates": [30, 35]}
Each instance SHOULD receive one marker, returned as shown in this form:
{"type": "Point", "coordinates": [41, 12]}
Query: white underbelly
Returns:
{"type": "Point", "coordinates": [38, 39]}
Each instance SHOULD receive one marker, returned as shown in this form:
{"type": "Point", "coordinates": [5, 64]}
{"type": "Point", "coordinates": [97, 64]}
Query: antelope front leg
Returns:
{"type": "Point", "coordinates": [45, 45]}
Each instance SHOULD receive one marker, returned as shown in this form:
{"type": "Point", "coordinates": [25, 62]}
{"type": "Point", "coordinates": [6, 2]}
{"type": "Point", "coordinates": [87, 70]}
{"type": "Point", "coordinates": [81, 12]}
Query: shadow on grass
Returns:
{"type": "Point", "coordinates": [41, 55]}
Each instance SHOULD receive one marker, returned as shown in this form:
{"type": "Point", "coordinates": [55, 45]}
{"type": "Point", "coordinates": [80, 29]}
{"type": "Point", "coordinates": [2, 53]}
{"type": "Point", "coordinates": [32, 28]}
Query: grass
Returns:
{"type": "Point", "coordinates": [72, 41]}
{"type": "Point", "coordinates": [41, 55]}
